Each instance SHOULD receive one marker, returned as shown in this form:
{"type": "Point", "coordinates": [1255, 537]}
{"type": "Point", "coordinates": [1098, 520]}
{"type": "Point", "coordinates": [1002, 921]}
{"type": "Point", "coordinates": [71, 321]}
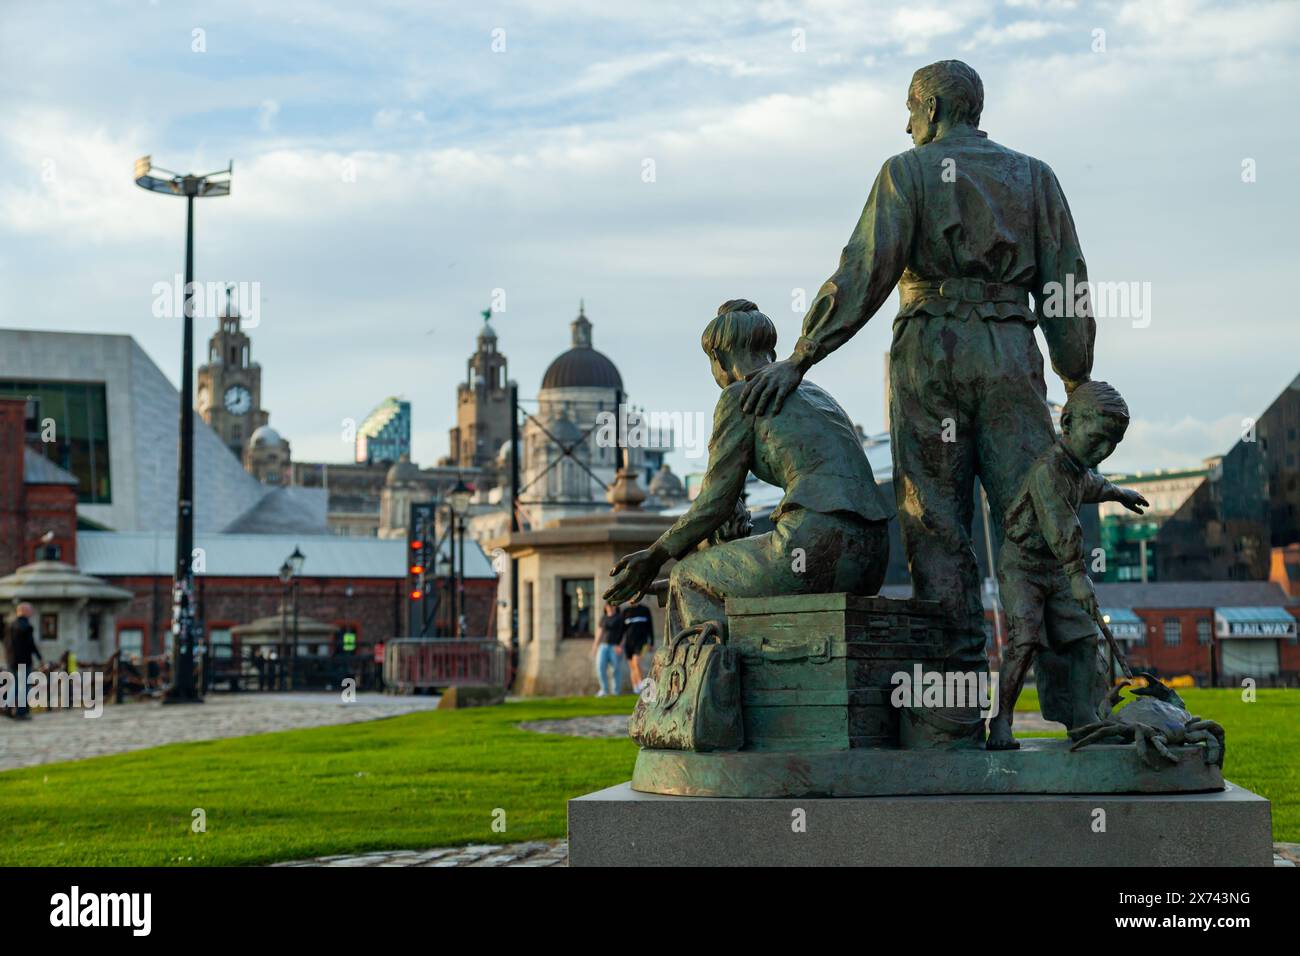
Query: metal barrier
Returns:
{"type": "Point", "coordinates": [426, 663]}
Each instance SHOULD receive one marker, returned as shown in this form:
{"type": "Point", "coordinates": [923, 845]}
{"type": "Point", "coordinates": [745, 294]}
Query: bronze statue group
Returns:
{"type": "Point", "coordinates": [969, 232]}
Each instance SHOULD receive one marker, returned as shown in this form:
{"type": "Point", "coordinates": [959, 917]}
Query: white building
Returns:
{"type": "Point", "coordinates": [579, 386]}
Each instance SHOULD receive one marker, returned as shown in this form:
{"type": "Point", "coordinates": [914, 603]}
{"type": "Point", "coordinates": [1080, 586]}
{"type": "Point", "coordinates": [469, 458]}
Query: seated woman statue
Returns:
{"type": "Point", "coordinates": [831, 528]}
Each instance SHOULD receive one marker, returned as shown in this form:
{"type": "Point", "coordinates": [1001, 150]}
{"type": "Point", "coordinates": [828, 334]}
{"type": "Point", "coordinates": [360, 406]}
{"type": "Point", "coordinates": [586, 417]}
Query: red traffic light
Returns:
{"type": "Point", "coordinates": [417, 594]}
{"type": "Point", "coordinates": [417, 569]}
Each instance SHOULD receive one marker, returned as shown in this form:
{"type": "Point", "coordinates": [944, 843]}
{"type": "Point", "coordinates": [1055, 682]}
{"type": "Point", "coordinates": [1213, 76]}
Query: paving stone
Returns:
{"type": "Point", "coordinates": [57, 735]}
{"type": "Point", "coordinates": [533, 853]}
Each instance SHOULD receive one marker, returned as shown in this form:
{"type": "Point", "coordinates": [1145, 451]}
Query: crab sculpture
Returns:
{"type": "Point", "coordinates": [1153, 722]}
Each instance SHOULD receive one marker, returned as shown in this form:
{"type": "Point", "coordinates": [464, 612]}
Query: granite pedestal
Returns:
{"type": "Point", "coordinates": [623, 827]}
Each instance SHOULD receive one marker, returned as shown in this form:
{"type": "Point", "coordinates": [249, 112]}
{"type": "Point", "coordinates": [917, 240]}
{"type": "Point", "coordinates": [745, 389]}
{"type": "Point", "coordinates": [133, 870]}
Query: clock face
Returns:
{"type": "Point", "coordinates": [238, 400]}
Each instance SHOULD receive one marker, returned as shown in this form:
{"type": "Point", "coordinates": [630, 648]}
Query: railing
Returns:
{"type": "Point", "coordinates": [425, 663]}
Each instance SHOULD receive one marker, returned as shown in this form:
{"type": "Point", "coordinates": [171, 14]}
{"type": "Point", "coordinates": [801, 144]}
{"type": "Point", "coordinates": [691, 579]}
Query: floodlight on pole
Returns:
{"type": "Point", "coordinates": [184, 628]}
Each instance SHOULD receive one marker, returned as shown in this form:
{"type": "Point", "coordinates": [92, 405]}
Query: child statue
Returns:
{"type": "Point", "coordinates": [1046, 593]}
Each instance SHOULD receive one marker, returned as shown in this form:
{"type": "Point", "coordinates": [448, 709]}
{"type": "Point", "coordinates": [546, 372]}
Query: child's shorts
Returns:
{"type": "Point", "coordinates": [1041, 611]}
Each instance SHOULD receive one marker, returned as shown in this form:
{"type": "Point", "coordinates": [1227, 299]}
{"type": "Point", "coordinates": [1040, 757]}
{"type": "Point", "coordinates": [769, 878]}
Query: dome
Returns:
{"type": "Point", "coordinates": [582, 366]}
{"type": "Point", "coordinates": [264, 436]}
{"type": "Point", "coordinates": [665, 484]}
{"type": "Point", "coordinates": [403, 470]}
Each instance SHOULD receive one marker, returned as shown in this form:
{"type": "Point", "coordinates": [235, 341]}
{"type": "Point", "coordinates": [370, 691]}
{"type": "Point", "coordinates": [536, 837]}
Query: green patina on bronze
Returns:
{"type": "Point", "coordinates": [830, 529]}
{"type": "Point", "coordinates": [981, 244]}
{"type": "Point", "coordinates": [816, 670]}
{"type": "Point", "coordinates": [968, 230]}
{"type": "Point", "coordinates": [1040, 766]}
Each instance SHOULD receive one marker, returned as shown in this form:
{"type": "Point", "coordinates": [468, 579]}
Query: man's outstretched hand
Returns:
{"type": "Point", "coordinates": [767, 388]}
{"type": "Point", "coordinates": [633, 575]}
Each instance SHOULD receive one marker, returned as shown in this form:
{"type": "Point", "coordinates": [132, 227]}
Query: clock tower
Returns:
{"type": "Point", "coordinates": [229, 393]}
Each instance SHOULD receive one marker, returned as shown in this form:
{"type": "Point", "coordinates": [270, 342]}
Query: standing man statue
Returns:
{"type": "Point", "coordinates": [968, 230]}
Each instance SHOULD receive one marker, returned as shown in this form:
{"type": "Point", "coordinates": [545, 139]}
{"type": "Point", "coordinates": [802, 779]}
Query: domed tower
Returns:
{"type": "Point", "coordinates": [267, 456]}
{"type": "Point", "coordinates": [578, 386]}
{"type": "Point", "coordinates": [666, 490]}
{"type": "Point", "coordinates": [482, 404]}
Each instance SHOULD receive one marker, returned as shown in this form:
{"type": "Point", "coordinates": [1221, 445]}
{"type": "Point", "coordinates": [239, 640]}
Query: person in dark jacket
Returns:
{"type": "Point", "coordinates": [22, 650]}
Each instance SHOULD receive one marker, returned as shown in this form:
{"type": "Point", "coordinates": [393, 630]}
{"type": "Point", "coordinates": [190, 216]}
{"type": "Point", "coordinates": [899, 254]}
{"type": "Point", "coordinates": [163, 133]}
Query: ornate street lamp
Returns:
{"type": "Point", "coordinates": [294, 563]}
{"type": "Point", "coordinates": [183, 689]}
{"type": "Point", "coordinates": [459, 498]}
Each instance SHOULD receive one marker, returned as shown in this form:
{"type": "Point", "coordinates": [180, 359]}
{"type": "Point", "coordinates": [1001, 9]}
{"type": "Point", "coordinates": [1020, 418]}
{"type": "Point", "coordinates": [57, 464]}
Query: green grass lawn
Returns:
{"type": "Point", "coordinates": [417, 781]}
{"type": "Point", "coordinates": [428, 779]}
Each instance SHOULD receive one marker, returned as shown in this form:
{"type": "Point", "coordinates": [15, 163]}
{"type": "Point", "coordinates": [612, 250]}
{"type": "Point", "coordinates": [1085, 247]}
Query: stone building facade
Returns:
{"type": "Point", "coordinates": [38, 500]}
{"type": "Point", "coordinates": [482, 407]}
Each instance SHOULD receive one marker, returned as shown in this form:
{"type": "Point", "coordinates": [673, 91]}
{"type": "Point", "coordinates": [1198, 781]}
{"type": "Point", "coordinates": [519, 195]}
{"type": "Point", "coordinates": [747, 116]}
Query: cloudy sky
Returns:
{"type": "Point", "coordinates": [396, 162]}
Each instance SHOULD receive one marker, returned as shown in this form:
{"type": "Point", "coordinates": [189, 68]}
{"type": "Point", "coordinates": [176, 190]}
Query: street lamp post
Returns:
{"type": "Point", "coordinates": [295, 562]}
{"type": "Point", "coordinates": [183, 689]}
{"type": "Point", "coordinates": [286, 577]}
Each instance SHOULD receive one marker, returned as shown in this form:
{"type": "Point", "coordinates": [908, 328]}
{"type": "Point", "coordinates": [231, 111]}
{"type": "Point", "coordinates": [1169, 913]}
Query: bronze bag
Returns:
{"type": "Point", "coordinates": [692, 698]}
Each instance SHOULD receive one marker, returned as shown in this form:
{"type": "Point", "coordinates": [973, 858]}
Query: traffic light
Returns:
{"type": "Point", "coordinates": [419, 562]}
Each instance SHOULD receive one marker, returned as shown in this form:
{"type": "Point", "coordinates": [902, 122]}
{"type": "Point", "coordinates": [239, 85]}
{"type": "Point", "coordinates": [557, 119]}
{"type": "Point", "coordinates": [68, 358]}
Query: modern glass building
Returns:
{"type": "Point", "coordinates": [385, 435]}
{"type": "Point", "coordinates": [68, 422]}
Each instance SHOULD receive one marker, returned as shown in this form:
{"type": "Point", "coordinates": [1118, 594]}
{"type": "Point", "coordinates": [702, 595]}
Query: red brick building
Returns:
{"type": "Point", "coordinates": [37, 498]}
{"type": "Point", "coordinates": [1219, 632]}
{"type": "Point", "coordinates": [351, 584]}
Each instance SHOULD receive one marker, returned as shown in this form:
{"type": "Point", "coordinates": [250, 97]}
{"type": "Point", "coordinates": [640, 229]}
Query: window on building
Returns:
{"type": "Point", "coordinates": [130, 642]}
{"type": "Point", "coordinates": [94, 622]}
{"type": "Point", "coordinates": [68, 423]}
{"type": "Point", "coordinates": [1204, 631]}
{"type": "Point", "coordinates": [576, 607]}
{"type": "Point", "coordinates": [49, 627]}
{"type": "Point", "coordinates": [220, 643]}
{"type": "Point", "coordinates": [1173, 632]}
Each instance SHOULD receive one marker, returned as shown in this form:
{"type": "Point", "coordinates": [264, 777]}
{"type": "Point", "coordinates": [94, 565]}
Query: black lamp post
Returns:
{"type": "Point", "coordinates": [183, 689]}
{"type": "Point", "coordinates": [286, 576]}
{"type": "Point", "coordinates": [294, 563]}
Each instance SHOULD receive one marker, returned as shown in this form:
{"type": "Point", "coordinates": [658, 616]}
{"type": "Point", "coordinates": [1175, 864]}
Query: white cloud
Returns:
{"type": "Point", "coordinates": [74, 180]}
{"type": "Point", "coordinates": [413, 184]}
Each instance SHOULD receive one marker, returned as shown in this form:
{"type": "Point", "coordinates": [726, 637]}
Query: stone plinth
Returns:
{"type": "Point", "coordinates": [621, 827]}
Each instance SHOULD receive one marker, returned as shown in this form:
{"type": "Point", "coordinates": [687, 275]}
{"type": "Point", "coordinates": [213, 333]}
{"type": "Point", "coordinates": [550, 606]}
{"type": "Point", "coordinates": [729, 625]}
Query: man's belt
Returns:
{"type": "Point", "coordinates": [964, 290]}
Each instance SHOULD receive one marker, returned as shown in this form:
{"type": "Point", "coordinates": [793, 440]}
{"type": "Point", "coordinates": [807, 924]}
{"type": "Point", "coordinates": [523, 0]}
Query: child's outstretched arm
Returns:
{"type": "Point", "coordinates": [1099, 489]}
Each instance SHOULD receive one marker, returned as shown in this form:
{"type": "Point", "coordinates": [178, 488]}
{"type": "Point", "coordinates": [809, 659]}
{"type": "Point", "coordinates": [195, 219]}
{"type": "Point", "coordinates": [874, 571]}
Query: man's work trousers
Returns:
{"type": "Point", "coordinates": [967, 399]}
